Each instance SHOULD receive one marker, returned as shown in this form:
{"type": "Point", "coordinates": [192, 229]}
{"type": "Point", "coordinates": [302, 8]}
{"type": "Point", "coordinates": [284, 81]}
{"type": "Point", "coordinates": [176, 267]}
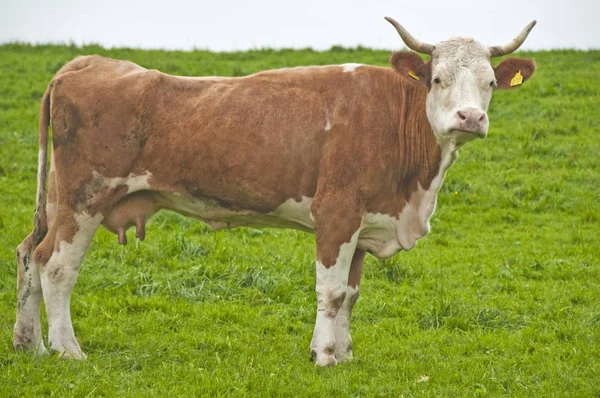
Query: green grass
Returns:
{"type": "Point", "coordinates": [501, 298]}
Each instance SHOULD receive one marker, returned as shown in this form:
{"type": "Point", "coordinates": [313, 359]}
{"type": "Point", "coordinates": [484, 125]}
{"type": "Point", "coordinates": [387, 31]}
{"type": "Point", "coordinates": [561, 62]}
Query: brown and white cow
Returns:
{"type": "Point", "coordinates": [354, 153]}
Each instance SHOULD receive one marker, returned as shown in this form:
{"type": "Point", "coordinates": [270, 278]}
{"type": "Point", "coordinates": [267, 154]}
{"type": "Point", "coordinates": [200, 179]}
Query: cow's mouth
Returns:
{"type": "Point", "coordinates": [468, 135]}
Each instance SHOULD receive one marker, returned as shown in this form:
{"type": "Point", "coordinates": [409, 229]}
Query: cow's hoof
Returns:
{"type": "Point", "coordinates": [326, 360]}
{"type": "Point", "coordinates": [344, 353]}
{"type": "Point", "coordinates": [23, 343]}
{"type": "Point", "coordinates": [80, 356]}
{"type": "Point", "coordinates": [73, 352]}
{"type": "Point", "coordinates": [323, 358]}
{"type": "Point", "coordinates": [344, 357]}
{"type": "Point", "coordinates": [77, 355]}
{"type": "Point", "coordinates": [39, 350]}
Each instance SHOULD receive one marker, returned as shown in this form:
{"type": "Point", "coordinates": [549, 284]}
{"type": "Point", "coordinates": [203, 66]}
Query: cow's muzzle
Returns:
{"type": "Point", "coordinates": [471, 121]}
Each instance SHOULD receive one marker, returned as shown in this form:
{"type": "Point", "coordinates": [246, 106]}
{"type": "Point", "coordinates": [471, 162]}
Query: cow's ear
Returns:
{"type": "Point", "coordinates": [512, 72]}
{"type": "Point", "coordinates": [411, 65]}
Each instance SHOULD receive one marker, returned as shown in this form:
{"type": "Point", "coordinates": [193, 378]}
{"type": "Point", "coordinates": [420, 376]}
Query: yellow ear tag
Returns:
{"type": "Point", "coordinates": [517, 80]}
{"type": "Point", "coordinates": [413, 75]}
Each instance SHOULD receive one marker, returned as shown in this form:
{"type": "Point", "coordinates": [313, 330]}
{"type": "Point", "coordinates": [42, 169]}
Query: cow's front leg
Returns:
{"type": "Point", "coordinates": [336, 244]}
{"type": "Point", "coordinates": [343, 341]}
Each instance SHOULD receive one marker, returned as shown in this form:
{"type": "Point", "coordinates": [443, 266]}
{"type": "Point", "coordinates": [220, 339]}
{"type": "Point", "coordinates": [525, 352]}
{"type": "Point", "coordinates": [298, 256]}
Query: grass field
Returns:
{"type": "Point", "coordinates": [501, 298]}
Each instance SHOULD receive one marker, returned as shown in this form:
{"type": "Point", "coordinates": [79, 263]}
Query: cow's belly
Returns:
{"type": "Point", "coordinates": [381, 234]}
{"type": "Point", "coordinates": [290, 214]}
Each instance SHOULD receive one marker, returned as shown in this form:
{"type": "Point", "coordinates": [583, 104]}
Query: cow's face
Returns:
{"type": "Point", "coordinates": [460, 80]}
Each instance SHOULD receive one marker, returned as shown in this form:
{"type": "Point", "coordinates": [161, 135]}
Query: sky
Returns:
{"type": "Point", "coordinates": [229, 25]}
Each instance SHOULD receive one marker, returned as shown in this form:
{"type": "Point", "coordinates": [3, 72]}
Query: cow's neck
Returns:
{"type": "Point", "coordinates": [397, 221]}
{"type": "Point", "coordinates": [447, 154]}
{"type": "Point", "coordinates": [422, 157]}
{"type": "Point", "coordinates": [423, 164]}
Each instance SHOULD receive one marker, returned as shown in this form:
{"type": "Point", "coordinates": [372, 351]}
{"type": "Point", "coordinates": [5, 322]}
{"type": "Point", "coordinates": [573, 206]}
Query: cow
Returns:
{"type": "Point", "coordinates": [355, 154]}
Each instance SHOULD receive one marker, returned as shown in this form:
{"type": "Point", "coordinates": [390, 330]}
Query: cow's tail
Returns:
{"type": "Point", "coordinates": [40, 219]}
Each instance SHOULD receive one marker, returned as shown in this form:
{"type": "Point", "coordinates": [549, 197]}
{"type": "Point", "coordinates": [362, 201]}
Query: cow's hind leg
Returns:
{"type": "Point", "coordinates": [73, 235]}
{"type": "Point", "coordinates": [343, 341]}
{"type": "Point", "coordinates": [28, 330]}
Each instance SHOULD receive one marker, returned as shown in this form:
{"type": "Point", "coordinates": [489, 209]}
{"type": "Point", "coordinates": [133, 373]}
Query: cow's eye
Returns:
{"type": "Point", "coordinates": [493, 83]}
{"type": "Point", "coordinates": [437, 80]}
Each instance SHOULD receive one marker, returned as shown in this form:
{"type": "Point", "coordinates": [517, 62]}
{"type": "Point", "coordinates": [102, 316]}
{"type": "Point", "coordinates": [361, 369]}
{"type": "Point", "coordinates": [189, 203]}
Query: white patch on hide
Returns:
{"type": "Point", "coordinates": [379, 236]}
{"type": "Point", "coordinates": [71, 253]}
{"type": "Point", "coordinates": [134, 182]}
{"type": "Point", "coordinates": [350, 67]}
{"type": "Point", "coordinates": [52, 163]}
{"type": "Point", "coordinates": [297, 212]}
{"type": "Point", "coordinates": [41, 158]}
{"type": "Point", "coordinates": [328, 126]}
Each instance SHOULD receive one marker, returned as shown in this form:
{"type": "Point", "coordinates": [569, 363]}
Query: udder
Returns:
{"type": "Point", "coordinates": [134, 209]}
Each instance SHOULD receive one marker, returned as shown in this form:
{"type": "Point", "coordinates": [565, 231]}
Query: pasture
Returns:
{"type": "Point", "coordinates": [501, 298]}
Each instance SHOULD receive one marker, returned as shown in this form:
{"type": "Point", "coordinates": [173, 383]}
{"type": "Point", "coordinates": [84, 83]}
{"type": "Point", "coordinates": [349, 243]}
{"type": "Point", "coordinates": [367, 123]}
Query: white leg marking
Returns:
{"type": "Point", "coordinates": [331, 291]}
{"type": "Point", "coordinates": [343, 341]}
{"type": "Point", "coordinates": [28, 329]}
{"type": "Point", "coordinates": [58, 278]}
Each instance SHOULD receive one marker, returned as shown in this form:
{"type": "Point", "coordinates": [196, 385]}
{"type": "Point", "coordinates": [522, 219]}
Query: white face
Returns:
{"type": "Point", "coordinates": [462, 83]}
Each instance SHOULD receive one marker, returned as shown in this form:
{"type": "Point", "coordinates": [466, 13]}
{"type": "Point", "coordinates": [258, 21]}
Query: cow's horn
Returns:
{"type": "Point", "coordinates": [512, 45]}
{"type": "Point", "coordinates": [410, 40]}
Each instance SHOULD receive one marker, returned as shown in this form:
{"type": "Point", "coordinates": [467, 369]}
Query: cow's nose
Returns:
{"type": "Point", "coordinates": [471, 119]}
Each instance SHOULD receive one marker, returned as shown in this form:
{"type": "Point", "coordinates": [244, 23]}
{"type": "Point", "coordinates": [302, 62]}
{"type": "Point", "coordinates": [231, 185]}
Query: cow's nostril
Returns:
{"type": "Point", "coordinates": [462, 115]}
{"type": "Point", "coordinates": [482, 117]}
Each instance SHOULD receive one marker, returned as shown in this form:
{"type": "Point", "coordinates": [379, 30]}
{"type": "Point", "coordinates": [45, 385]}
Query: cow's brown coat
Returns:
{"type": "Point", "coordinates": [247, 143]}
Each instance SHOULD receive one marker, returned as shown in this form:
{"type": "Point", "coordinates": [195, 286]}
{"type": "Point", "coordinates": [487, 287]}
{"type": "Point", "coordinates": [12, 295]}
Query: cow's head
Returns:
{"type": "Point", "coordinates": [461, 80]}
